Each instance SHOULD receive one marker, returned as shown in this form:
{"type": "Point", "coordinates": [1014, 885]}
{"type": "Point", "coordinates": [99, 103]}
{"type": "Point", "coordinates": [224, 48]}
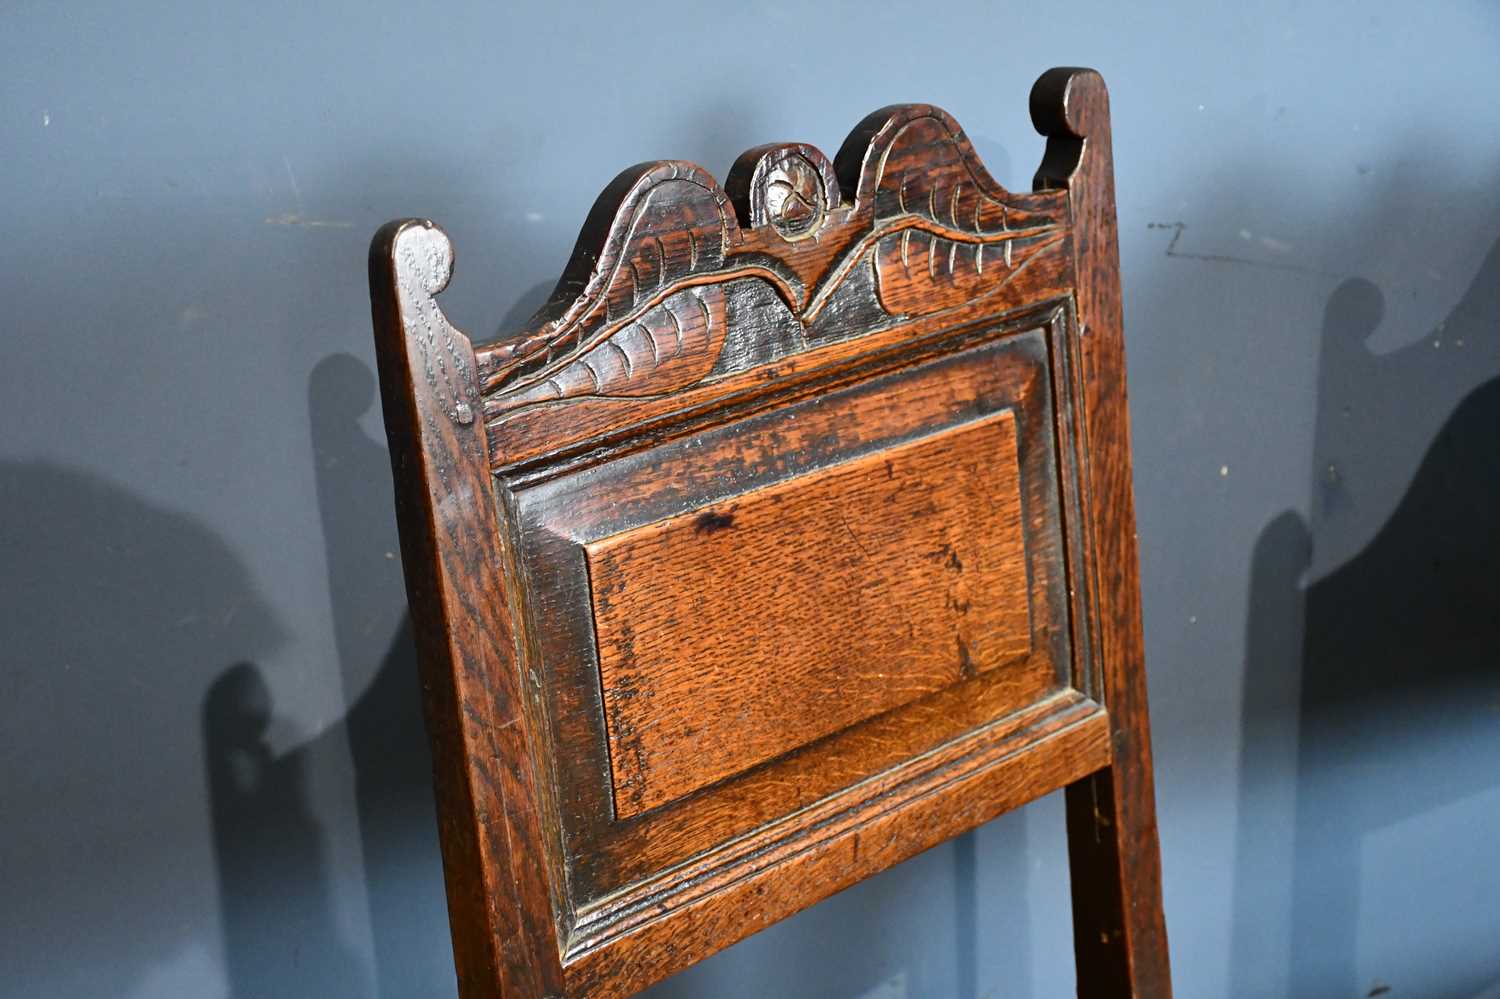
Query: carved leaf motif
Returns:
{"type": "Point", "coordinates": [919, 272]}
{"type": "Point", "coordinates": [671, 345]}
{"type": "Point", "coordinates": [673, 223]}
{"type": "Point", "coordinates": [964, 240]}
{"type": "Point", "coordinates": [678, 230]}
{"type": "Point", "coordinates": [927, 173]}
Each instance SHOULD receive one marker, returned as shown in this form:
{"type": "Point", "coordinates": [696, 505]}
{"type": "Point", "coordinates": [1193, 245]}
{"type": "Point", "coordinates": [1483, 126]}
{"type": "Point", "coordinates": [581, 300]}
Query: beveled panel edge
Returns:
{"type": "Point", "coordinates": [540, 747]}
{"type": "Point", "coordinates": [1055, 742]}
{"type": "Point", "coordinates": [1070, 447]}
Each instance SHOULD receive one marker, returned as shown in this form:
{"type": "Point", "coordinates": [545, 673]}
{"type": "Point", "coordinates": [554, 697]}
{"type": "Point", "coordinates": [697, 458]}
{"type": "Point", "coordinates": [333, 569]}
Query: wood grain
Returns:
{"type": "Point", "coordinates": [1120, 936]}
{"type": "Point", "coordinates": [489, 819]}
{"type": "Point", "coordinates": [833, 597]}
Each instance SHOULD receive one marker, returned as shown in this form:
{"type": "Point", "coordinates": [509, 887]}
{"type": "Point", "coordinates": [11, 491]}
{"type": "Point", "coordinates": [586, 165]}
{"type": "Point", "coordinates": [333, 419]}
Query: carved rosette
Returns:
{"type": "Point", "coordinates": [795, 204]}
{"type": "Point", "coordinates": [789, 188]}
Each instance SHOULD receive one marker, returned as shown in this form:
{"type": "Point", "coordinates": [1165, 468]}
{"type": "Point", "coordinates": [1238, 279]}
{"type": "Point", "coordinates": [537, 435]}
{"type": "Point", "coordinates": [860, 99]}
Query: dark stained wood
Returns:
{"type": "Point", "coordinates": [488, 817]}
{"type": "Point", "coordinates": [899, 573]}
{"type": "Point", "coordinates": [792, 537]}
{"type": "Point", "coordinates": [1120, 934]}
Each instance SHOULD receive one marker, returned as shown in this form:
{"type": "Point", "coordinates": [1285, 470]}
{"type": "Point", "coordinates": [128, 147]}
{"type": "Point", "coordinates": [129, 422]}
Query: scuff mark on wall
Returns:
{"type": "Point", "coordinates": [292, 218]}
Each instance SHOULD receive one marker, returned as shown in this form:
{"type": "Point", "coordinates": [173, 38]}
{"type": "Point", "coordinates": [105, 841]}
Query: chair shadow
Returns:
{"type": "Point", "coordinates": [1371, 692]}
{"type": "Point", "coordinates": [265, 835]}
{"type": "Point", "coordinates": [384, 729]}
{"type": "Point", "coordinates": [266, 839]}
{"type": "Point", "coordinates": [117, 611]}
{"type": "Point", "coordinates": [881, 938]}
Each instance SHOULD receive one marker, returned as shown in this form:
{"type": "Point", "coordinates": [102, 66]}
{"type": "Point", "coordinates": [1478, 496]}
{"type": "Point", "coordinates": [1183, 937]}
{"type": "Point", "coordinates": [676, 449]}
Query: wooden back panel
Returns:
{"type": "Point", "coordinates": [792, 537]}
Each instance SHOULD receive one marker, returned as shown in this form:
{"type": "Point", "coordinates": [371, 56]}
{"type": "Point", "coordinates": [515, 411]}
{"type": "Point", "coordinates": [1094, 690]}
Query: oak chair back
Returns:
{"type": "Point", "coordinates": [792, 537]}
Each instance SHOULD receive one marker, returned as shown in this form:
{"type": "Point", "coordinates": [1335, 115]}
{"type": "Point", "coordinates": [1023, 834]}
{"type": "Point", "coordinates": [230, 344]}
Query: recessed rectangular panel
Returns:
{"type": "Point", "coordinates": [967, 376]}
{"type": "Point", "coordinates": [736, 632]}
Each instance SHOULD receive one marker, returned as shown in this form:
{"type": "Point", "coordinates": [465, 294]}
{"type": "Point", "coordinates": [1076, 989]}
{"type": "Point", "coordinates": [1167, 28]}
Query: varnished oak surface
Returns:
{"type": "Point", "coordinates": [902, 573]}
{"type": "Point", "coordinates": [982, 370]}
{"type": "Point", "coordinates": [791, 537]}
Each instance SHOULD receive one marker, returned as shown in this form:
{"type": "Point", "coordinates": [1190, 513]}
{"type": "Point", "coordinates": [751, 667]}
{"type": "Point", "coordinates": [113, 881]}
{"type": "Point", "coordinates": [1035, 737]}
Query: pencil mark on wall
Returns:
{"type": "Point", "coordinates": [1178, 228]}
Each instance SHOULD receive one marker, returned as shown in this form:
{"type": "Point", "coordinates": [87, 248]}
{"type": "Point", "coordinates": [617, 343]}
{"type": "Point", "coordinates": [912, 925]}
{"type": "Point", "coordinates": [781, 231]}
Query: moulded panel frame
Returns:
{"type": "Point", "coordinates": [593, 910]}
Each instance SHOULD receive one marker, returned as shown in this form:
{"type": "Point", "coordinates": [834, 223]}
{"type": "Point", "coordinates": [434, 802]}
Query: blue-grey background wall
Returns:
{"type": "Point", "coordinates": [213, 776]}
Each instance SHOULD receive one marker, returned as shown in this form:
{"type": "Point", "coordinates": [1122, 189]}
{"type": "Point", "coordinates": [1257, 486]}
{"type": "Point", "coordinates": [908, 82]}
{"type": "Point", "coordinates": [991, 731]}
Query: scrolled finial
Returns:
{"type": "Point", "coordinates": [425, 253]}
{"type": "Point", "coordinates": [1068, 100]}
{"type": "Point", "coordinates": [421, 258]}
{"type": "Point", "coordinates": [1070, 106]}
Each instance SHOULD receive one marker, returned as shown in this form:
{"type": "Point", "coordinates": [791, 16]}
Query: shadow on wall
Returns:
{"type": "Point", "coordinates": [267, 840]}
{"type": "Point", "coordinates": [384, 727]}
{"type": "Point", "coordinates": [116, 613]}
{"type": "Point", "coordinates": [879, 940]}
{"type": "Point", "coordinates": [263, 833]}
{"type": "Point", "coordinates": [279, 894]}
{"type": "Point", "coordinates": [1372, 703]}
